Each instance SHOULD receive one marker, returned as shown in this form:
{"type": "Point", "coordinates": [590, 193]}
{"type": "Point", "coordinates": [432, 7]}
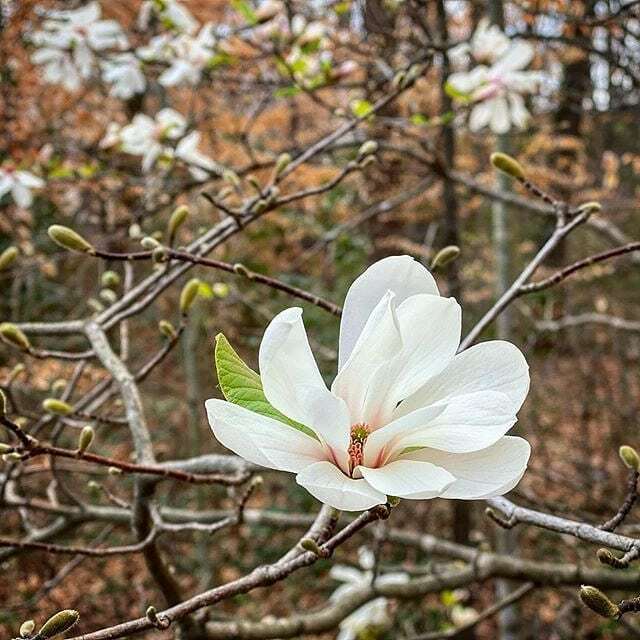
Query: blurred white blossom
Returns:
{"type": "Point", "coordinates": [188, 56]}
{"type": "Point", "coordinates": [174, 15]}
{"type": "Point", "coordinates": [19, 184]}
{"type": "Point", "coordinates": [124, 72]}
{"type": "Point", "coordinates": [200, 165]}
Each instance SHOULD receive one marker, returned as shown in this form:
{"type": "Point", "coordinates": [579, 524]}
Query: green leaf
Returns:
{"type": "Point", "coordinates": [241, 385]}
{"type": "Point", "coordinates": [361, 108]}
{"type": "Point", "coordinates": [287, 92]}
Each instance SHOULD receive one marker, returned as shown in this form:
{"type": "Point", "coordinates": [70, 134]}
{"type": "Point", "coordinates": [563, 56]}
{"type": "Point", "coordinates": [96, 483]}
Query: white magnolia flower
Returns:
{"type": "Point", "coordinates": [68, 40]}
{"type": "Point", "coordinates": [172, 13]}
{"type": "Point", "coordinates": [112, 136]}
{"type": "Point", "coordinates": [200, 165]}
{"type": "Point", "coordinates": [462, 616]}
{"type": "Point", "coordinates": [374, 613]}
{"type": "Point", "coordinates": [158, 49]}
{"type": "Point", "coordinates": [188, 57]}
{"type": "Point", "coordinates": [147, 137]}
{"type": "Point", "coordinates": [498, 89]}
{"type": "Point", "coordinates": [487, 44]}
{"type": "Point", "coordinates": [19, 184]}
{"type": "Point", "coordinates": [124, 73]}
{"type": "Point", "coordinates": [405, 416]}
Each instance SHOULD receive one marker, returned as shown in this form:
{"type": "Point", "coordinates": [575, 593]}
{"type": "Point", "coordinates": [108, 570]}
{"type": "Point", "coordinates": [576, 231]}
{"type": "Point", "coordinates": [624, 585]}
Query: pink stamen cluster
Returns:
{"type": "Point", "coordinates": [359, 434]}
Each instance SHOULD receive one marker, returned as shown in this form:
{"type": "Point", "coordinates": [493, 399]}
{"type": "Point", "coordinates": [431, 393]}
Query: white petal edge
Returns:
{"type": "Point", "coordinates": [402, 275]}
{"type": "Point", "coordinates": [482, 474]}
{"type": "Point", "coordinates": [411, 479]}
{"type": "Point", "coordinates": [328, 484]}
{"type": "Point", "coordinates": [262, 440]}
{"type": "Point", "coordinates": [496, 365]}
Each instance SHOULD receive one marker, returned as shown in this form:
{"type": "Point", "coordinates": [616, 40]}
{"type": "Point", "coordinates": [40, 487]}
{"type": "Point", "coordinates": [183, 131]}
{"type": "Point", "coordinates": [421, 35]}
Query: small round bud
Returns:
{"type": "Point", "coordinates": [96, 305]}
{"type": "Point", "coordinates": [167, 329]}
{"type": "Point", "coordinates": [630, 457]}
{"type": "Point", "coordinates": [598, 602]}
{"type": "Point", "coordinates": [241, 270]}
{"type": "Point", "coordinates": [590, 207]}
{"type": "Point", "coordinates": [26, 628]}
{"type": "Point", "coordinates": [367, 148]}
{"type": "Point", "coordinates": [11, 334]}
{"type": "Point", "coordinates": [309, 544]}
{"type": "Point", "coordinates": [135, 231]}
{"type": "Point", "coordinates": [57, 407]}
{"type": "Point", "coordinates": [94, 488]}
{"type": "Point", "coordinates": [188, 295]}
{"type": "Point", "coordinates": [69, 239]}
{"type": "Point", "coordinates": [58, 386]}
{"type": "Point", "coordinates": [283, 161]}
{"type": "Point", "coordinates": [108, 295]}
{"type": "Point", "coordinates": [114, 471]}
{"type": "Point", "coordinates": [176, 220]}
{"type": "Point", "coordinates": [260, 206]}
{"type": "Point", "coordinates": [444, 256]}
{"type": "Point", "coordinates": [14, 456]}
{"type": "Point", "coordinates": [7, 257]}
{"type": "Point", "coordinates": [220, 289]}
{"type": "Point", "coordinates": [149, 243]}
{"type": "Point", "coordinates": [231, 177]}
{"type": "Point", "coordinates": [86, 438]}
{"type": "Point", "coordinates": [110, 279]}
{"type": "Point", "coordinates": [507, 164]}
{"type": "Point", "coordinates": [61, 622]}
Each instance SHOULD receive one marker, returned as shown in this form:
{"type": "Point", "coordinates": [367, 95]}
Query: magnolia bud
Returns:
{"type": "Point", "coordinates": [188, 295]}
{"type": "Point", "coordinates": [110, 279]}
{"type": "Point", "coordinates": [283, 161]}
{"type": "Point", "coordinates": [58, 386]}
{"type": "Point", "coordinates": [231, 177]}
{"type": "Point", "coordinates": [241, 270]}
{"type": "Point", "coordinates": [86, 438]}
{"type": "Point", "coordinates": [14, 456]}
{"type": "Point", "coordinates": [167, 329]}
{"type": "Point", "coordinates": [69, 239]}
{"type": "Point", "coordinates": [114, 471]}
{"type": "Point", "coordinates": [507, 164]}
{"type": "Point", "coordinates": [444, 256]}
{"type": "Point", "coordinates": [366, 161]}
{"type": "Point", "coordinates": [259, 206]}
{"type": "Point", "coordinates": [4, 448]}
{"type": "Point", "coordinates": [177, 219]}
{"type": "Point", "coordinates": [135, 231]}
{"type": "Point", "coordinates": [598, 602]}
{"type": "Point", "coordinates": [94, 488]}
{"type": "Point", "coordinates": [3, 404]}
{"type": "Point", "coordinates": [7, 257]}
{"type": "Point", "coordinates": [13, 335]}
{"type": "Point", "coordinates": [108, 295]}
{"type": "Point", "coordinates": [630, 457]}
{"type": "Point", "coordinates": [149, 243]}
{"type": "Point", "coordinates": [61, 622]}
{"type": "Point", "coordinates": [367, 148]}
{"type": "Point", "coordinates": [57, 407]}
{"type": "Point", "coordinates": [590, 207]}
{"type": "Point", "coordinates": [309, 544]}
{"type": "Point", "coordinates": [160, 255]}
{"type": "Point", "coordinates": [26, 628]}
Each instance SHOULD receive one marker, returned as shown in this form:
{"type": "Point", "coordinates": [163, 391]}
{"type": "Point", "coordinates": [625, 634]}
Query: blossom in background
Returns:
{"type": "Point", "coordinates": [67, 42]}
{"type": "Point", "coordinates": [124, 73]}
{"type": "Point", "coordinates": [405, 416]}
{"type": "Point", "coordinates": [19, 184]}
{"type": "Point", "coordinates": [200, 165]}
{"type": "Point", "coordinates": [173, 14]}
{"type": "Point", "coordinates": [497, 91]}
{"type": "Point", "coordinates": [372, 615]}
{"type": "Point", "coordinates": [148, 137]}
{"type": "Point", "coordinates": [188, 56]}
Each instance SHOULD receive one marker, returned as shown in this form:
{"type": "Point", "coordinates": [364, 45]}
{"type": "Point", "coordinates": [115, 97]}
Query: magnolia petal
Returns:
{"type": "Point", "coordinates": [480, 115]}
{"type": "Point", "coordinates": [22, 195]}
{"type": "Point", "coordinates": [481, 474]}
{"type": "Point", "coordinates": [500, 120]}
{"type": "Point", "coordinates": [292, 382]}
{"type": "Point", "coordinates": [411, 479]}
{"type": "Point", "coordinates": [517, 57]}
{"type": "Point", "coordinates": [261, 440]}
{"type": "Point", "coordinates": [495, 365]}
{"type": "Point", "coordinates": [350, 575]}
{"type": "Point", "coordinates": [469, 422]}
{"type": "Point", "coordinates": [519, 113]}
{"type": "Point", "coordinates": [328, 484]}
{"type": "Point", "coordinates": [402, 275]}
{"type": "Point", "coordinates": [379, 342]}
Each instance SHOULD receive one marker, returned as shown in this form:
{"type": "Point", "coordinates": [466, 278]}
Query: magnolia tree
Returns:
{"type": "Point", "coordinates": [199, 167]}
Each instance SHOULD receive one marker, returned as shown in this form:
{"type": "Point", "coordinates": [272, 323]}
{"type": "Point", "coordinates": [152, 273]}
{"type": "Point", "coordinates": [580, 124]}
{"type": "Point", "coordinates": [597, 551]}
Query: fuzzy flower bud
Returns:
{"type": "Point", "coordinates": [176, 220]}
{"type": "Point", "coordinates": [507, 164]}
{"type": "Point", "coordinates": [367, 148]}
{"type": "Point", "coordinates": [630, 457]}
{"type": "Point", "coordinates": [188, 295]}
{"type": "Point", "coordinates": [7, 257]}
{"type": "Point", "coordinates": [69, 239]}
{"type": "Point", "coordinates": [61, 622]}
{"type": "Point", "coordinates": [57, 407]}
{"type": "Point", "coordinates": [283, 161]}
{"type": "Point", "coordinates": [86, 438]}
{"type": "Point", "coordinates": [444, 256]}
{"type": "Point", "coordinates": [110, 279]}
{"type": "Point", "coordinates": [11, 334]}
{"type": "Point", "coordinates": [26, 628]}
{"type": "Point", "coordinates": [167, 329]}
{"type": "Point", "coordinates": [598, 602]}
{"type": "Point", "coordinates": [149, 243]}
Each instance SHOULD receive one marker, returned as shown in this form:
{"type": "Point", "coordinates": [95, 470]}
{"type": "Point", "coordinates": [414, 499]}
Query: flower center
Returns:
{"type": "Point", "coordinates": [359, 434]}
